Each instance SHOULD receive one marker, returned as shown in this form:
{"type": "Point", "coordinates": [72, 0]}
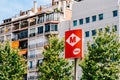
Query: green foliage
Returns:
{"type": "Point", "coordinates": [54, 66]}
{"type": "Point", "coordinates": [12, 65]}
{"type": "Point", "coordinates": [103, 59]}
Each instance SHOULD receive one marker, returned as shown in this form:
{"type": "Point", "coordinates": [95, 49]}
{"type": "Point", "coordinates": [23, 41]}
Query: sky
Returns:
{"type": "Point", "coordinates": [8, 8]}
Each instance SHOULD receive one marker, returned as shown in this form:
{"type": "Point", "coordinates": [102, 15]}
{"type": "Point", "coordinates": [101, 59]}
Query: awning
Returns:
{"type": "Point", "coordinates": [23, 51]}
{"type": "Point", "coordinates": [15, 44]}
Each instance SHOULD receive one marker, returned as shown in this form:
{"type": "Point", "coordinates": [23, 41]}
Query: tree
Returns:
{"type": "Point", "coordinates": [103, 59]}
{"type": "Point", "coordinates": [54, 66]}
{"type": "Point", "coordinates": [12, 65]}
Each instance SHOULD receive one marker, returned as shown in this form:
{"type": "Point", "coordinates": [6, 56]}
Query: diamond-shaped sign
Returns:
{"type": "Point", "coordinates": [73, 39]}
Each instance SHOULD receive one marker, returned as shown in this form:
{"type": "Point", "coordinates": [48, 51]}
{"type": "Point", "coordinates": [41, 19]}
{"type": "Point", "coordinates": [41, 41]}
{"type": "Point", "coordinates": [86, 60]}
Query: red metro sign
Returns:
{"type": "Point", "coordinates": [73, 44]}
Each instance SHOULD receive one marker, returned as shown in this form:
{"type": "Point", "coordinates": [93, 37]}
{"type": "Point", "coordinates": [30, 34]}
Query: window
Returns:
{"type": "Point", "coordinates": [8, 37]}
{"type": "Point", "coordinates": [94, 18]}
{"type": "Point", "coordinates": [75, 23]}
{"type": "Point", "coordinates": [100, 16]}
{"type": "Point", "coordinates": [93, 32]}
{"type": "Point", "coordinates": [47, 27]}
{"type": "Point", "coordinates": [115, 13]}
{"type": "Point", "coordinates": [41, 19]}
{"type": "Point", "coordinates": [87, 19]}
{"type": "Point", "coordinates": [40, 29]}
{"type": "Point", "coordinates": [87, 34]}
{"type": "Point", "coordinates": [39, 62]}
{"type": "Point", "coordinates": [32, 43]}
{"type": "Point", "coordinates": [23, 34]}
{"type": "Point", "coordinates": [80, 21]}
{"type": "Point", "coordinates": [54, 27]}
{"type": "Point", "coordinates": [30, 64]}
{"type": "Point", "coordinates": [93, 45]}
{"type": "Point", "coordinates": [32, 32]}
{"type": "Point", "coordinates": [2, 30]}
{"type": "Point", "coordinates": [115, 27]}
{"type": "Point", "coordinates": [32, 53]}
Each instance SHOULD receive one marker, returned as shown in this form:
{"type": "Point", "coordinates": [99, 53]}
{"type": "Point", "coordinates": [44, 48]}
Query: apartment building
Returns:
{"type": "Point", "coordinates": [29, 31]}
{"type": "Point", "coordinates": [93, 16]}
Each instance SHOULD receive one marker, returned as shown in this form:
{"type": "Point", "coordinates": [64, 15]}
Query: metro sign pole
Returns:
{"type": "Point", "coordinates": [74, 47]}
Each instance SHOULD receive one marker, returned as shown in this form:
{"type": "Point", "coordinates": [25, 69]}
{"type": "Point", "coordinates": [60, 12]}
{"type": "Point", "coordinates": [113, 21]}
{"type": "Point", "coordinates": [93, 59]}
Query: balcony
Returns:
{"type": "Point", "coordinates": [23, 52]}
{"type": "Point", "coordinates": [23, 44]}
{"type": "Point", "coordinates": [55, 16]}
{"type": "Point", "coordinates": [32, 68]}
{"type": "Point", "coordinates": [2, 30]}
{"type": "Point", "coordinates": [32, 23]}
{"type": "Point", "coordinates": [35, 56]}
{"type": "Point", "coordinates": [51, 29]}
{"type": "Point", "coordinates": [32, 46]}
{"type": "Point", "coordinates": [15, 27]}
{"type": "Point", "coordinates": [40, 44]}
{"type": "Point", "coordinates": [15, 39]}
{"type": "Point", "coordinates": [32, 35]}
{"type": "Point", "coordinates": [24, 24]}
{"type": "Point", "coordinates": [31, 56]}
{"type": "Point", "coordinates": [23, 34]}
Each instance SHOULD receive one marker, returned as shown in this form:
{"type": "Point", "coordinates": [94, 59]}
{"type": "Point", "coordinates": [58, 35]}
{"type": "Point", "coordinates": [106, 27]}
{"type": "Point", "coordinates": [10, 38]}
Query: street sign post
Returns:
{"type": "Point", "coordinates": [74, 46]}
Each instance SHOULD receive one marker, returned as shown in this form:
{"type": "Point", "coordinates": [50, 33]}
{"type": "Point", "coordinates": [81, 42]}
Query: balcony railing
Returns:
{"type": "Point", "coordinates": [14, 39]}
{"type": "Point", "coordinates": [15, 27]}
{"type": "Point", "coordinates": [31, 56]}
{"type": "Point", "coordinates": [35, 56]}
{"type": "Point", "coordinates": [32, 46]}
{"type": "Point", "coordinates": [23, 36]}
{"type": "Point", "coordinates": [41, 44]}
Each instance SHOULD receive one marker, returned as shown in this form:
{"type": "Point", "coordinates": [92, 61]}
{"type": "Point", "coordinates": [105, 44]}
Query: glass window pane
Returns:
{"type": "Point", "coordinates": [87, 19]}
{"type": "Point", "coordinates": [30, 64]}
{"type": "Point", "coordinates": [75, 23]}
{"type": "Point", "coordinates": [94, 18]}
{"type": "Point", "coordinates": [115, 13]}
{"type": "Point", "coordinates": [80, 21]}
{"type": "Point", "coordinates": [93, 32]}
{"type": "Point", "coordinates": [40, 29]}
{"type": "Point", "coordinates": [32, 30]}
{"type": "Point", "coordinates": [47, 27]}
{"type": "Point", "coordinates": [87, 34]}
{"type": "Point", "coordinates": [100, 16]}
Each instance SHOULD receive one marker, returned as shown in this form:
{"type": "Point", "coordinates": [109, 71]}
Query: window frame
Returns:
{"type": "Point", "coordinates": [75, 23]}
{"type": "Point", "coordinates": [87, 19]}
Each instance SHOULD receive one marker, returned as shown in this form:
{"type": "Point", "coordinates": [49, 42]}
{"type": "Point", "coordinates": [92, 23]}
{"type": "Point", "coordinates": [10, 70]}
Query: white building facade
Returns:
{"type": "Point", "coordinates": [93, 15]}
